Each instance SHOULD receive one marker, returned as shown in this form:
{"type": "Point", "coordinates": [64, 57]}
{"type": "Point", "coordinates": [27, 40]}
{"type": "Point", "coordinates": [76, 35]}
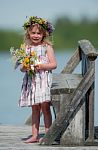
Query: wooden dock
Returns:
{"type": "Point", "coordinates": [11, 138]}
{"type": "Point", "coordinates": [73, 102]}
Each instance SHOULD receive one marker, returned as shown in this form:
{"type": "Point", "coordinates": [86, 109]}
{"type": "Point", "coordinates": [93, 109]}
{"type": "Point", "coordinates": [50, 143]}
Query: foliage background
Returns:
{"type": "Point", "coordinates": [67, 33]}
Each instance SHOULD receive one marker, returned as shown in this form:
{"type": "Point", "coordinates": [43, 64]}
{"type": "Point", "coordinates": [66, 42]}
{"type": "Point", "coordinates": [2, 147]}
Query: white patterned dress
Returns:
{"type": "Point", "coordinates": [36, 89]}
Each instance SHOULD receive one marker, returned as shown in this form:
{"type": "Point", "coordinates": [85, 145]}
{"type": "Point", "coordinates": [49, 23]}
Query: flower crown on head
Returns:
{"type": "Point", "coordinates": [44, 23]}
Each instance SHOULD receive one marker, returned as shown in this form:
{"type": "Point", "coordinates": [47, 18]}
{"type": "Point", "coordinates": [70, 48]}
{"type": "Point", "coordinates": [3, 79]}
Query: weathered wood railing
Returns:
{"type": "Point", "coordinates": [74, 123]}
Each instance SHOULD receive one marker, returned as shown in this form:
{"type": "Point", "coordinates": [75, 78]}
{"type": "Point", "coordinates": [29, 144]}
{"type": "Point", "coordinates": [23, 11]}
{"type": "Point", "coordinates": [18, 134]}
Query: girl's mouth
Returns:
{"type": "Point", "coordinates": [35, 39]}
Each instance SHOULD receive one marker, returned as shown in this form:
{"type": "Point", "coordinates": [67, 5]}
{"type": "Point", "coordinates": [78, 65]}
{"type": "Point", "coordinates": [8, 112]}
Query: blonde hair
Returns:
{"type": "Point", "coordinates": [46, 38]}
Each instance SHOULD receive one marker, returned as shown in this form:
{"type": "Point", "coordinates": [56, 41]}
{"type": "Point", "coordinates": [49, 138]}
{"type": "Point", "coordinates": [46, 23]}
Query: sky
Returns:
{"type": "Point", "coordinates": [13, 12]}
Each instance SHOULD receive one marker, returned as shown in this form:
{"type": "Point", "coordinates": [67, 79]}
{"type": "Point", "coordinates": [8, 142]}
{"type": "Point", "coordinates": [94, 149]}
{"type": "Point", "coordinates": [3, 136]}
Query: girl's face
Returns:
{"type": "Point", "coordinates": [36, 35]}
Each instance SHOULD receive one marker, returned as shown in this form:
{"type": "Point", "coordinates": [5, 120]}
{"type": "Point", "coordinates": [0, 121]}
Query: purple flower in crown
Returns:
{"type": "Point", "coordinates": [50, 27]}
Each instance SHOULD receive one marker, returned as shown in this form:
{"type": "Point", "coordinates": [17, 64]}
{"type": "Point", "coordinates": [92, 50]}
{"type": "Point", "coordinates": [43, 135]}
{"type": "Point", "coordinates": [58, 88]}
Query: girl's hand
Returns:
{"type": "Point", "coordinates": [39, 67]}
{"type": "Point", "coordinates": [24, 69]}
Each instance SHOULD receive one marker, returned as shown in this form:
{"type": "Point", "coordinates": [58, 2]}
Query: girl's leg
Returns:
{"type": "Point", "coordinates": [35, 120]}
{"type": "Point", "coordinates": [47, 115]}
{"type": "Point", "coordinates": [35, 124]}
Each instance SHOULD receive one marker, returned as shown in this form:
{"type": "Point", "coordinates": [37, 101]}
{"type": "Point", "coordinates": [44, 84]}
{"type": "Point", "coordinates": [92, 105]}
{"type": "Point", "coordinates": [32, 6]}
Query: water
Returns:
{"type": "Point", "coordinates": [10, 86]}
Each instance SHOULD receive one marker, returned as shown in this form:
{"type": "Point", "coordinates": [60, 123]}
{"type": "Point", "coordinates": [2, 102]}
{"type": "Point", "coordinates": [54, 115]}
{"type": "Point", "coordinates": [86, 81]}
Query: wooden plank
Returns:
{"type": "Point", "coordinates": [11, 138]}
{"type": "Point", "coordinates": [91, 115]}
{"type": "Point", "coordinates": [91, 93]}
{"type": "Point", "coordinates": [88, 49]}
{"type": "Point", "coordinates": [64, 118]}
{"type": "Point", "coordinates": [72, 63]}
{"type": "Point", "coordinates": [89, 101]}
{"type": "Point", "coordinates": [74, 134]}
{"type": "Point", "coordinates": [65, 83]}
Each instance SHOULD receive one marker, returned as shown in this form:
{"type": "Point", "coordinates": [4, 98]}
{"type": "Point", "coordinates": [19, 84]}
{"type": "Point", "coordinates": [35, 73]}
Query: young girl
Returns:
{"type": "Point", "coordinates": [36, 89]}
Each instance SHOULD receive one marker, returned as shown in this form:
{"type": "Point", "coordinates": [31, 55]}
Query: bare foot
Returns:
{"type": "Point", "coordinates": [32, 140]}
{"type": "Point", "coordinates": [40, 140]}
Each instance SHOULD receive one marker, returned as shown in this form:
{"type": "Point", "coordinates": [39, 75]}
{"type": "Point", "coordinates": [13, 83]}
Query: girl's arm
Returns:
{"type": "Point", "coordinates": [52, 60]}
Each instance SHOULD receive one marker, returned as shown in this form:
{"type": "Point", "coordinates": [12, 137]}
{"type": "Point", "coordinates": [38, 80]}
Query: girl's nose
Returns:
{"type": "Point", "coordinates": [36, 34]}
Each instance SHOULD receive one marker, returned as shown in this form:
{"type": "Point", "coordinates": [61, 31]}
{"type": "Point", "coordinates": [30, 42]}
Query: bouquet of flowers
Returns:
{"type": "Point", "coordinates": [19, 56]}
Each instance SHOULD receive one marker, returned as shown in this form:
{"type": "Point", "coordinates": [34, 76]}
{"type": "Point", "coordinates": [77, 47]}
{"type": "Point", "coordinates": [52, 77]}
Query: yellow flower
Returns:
{"type": "Point", "coordinates": [44, 21]}
{"type": "Point", "coordinates": [26, 65]}
{"type": "Point", "coordinates": [26, 60]}
{"type": "Point", "coordinates": [33, 53]}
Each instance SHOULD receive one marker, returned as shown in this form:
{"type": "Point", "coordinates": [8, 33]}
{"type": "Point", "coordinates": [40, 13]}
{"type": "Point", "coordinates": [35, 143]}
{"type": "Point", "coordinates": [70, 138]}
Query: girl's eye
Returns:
{"type": "Point", "coordinates": [35, 33]}
{"type": "Point", "coordinates": [32, 32]}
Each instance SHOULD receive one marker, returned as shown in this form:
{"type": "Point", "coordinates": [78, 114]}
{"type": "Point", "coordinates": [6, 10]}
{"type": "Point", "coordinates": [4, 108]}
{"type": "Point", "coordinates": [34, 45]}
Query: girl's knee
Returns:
{"type": "Point", "coordinates": [36, 109]}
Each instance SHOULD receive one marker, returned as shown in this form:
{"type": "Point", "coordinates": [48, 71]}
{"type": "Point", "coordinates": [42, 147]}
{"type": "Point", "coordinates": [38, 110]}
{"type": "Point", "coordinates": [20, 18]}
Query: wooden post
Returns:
{"type": "Point", "coordinates": [87, 62]}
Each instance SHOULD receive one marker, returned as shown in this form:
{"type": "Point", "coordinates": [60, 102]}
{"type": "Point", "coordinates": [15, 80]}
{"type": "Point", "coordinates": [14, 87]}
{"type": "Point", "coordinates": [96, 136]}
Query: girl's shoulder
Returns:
{"type": "Point", "coordinates": [47, 45]}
